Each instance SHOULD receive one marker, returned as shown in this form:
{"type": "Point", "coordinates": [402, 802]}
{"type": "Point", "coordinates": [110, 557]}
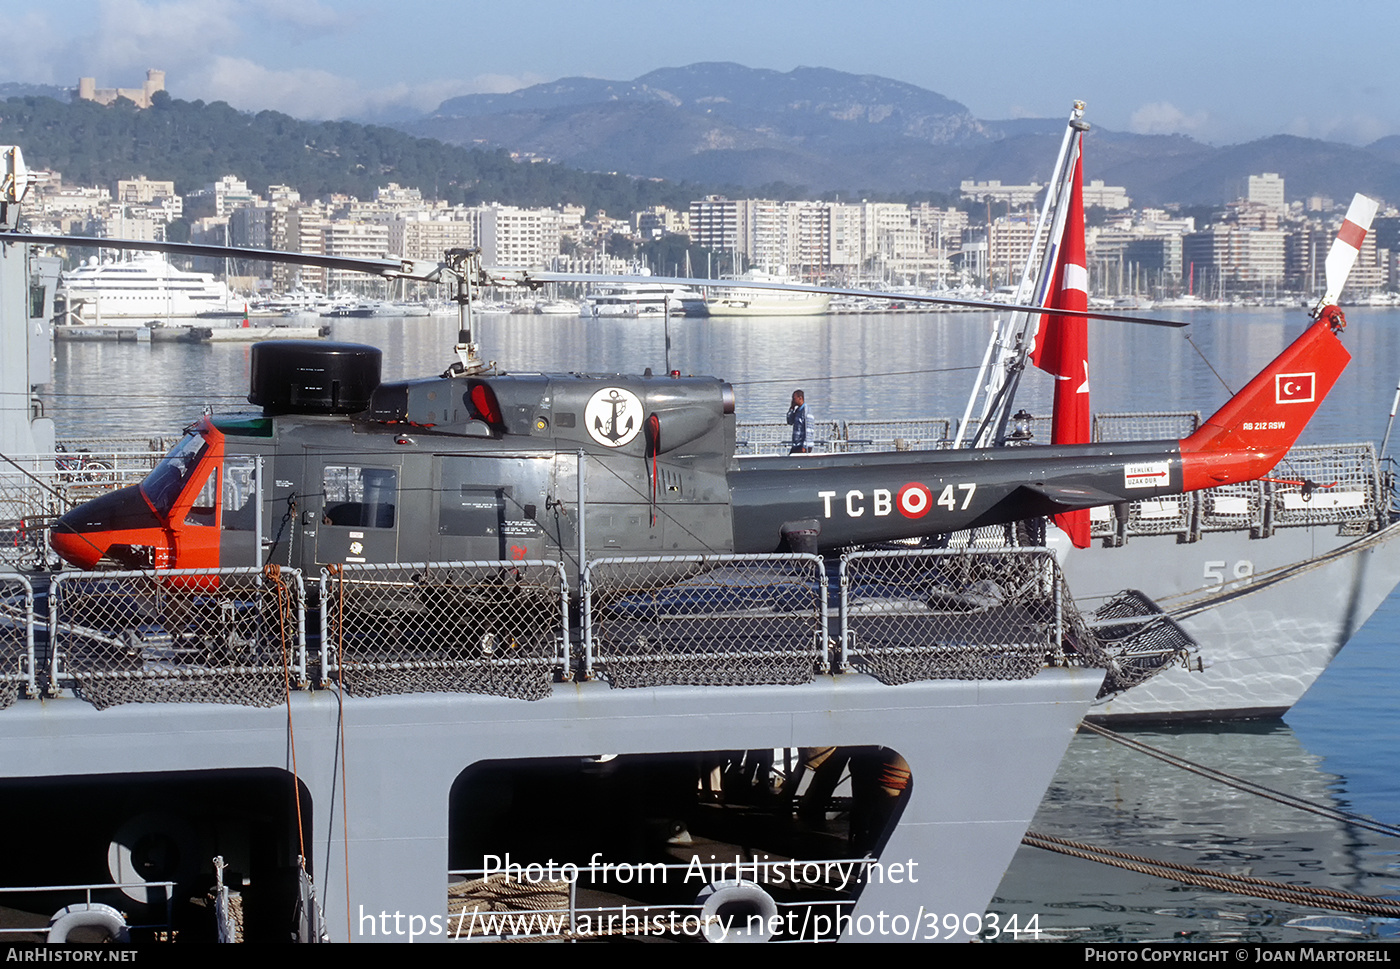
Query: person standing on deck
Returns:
{"type": "Point", "coordinates": [801, 424]}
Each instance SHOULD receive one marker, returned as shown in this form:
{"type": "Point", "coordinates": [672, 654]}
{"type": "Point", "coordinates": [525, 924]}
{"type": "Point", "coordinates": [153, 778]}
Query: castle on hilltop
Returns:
{"type": "Point", "coordinates": [89, 91]}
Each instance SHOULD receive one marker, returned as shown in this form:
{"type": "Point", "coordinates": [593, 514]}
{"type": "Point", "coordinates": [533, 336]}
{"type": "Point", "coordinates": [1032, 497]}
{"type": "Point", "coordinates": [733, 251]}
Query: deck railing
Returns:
{"type": "Point", "coordinates": [509, 628]}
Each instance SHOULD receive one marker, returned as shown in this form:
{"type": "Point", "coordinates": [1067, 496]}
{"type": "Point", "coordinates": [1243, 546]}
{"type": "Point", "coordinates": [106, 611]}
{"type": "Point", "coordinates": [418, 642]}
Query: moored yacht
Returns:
{"type": "Point", "coordinates": [143, 287]}
{"type": "Point", "coordinates": [642, 299]}
{"type": "Point", "coordinates": [738, 301]}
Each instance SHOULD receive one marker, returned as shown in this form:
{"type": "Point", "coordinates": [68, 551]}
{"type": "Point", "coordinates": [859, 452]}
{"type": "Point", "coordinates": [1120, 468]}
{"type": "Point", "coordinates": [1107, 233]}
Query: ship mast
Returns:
{"type": "Point", "coordinates": [1004, 374]}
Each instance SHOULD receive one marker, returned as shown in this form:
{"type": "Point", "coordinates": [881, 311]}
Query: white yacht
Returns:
{"type": "Point", "coordinates": [737, 301]}
{"type": "Point", "coordinates": [143, 287]}
{"type": "Point", "coordinates": [641, 299]}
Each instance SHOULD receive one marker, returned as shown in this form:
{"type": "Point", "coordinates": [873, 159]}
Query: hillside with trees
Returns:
{"type": "Point", "coordinates": [193, 144]}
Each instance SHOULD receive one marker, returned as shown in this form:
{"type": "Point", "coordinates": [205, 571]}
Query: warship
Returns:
{"type": "Point", "coordinates": [691, 749]}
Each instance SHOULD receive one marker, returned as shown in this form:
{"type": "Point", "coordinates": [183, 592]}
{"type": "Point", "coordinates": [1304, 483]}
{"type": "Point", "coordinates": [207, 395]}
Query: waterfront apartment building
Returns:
{"type": "Point", "coordinates": [816, 238]}
{"type": "Point", "coordinates": [1137, 253]}
{"type": "Point", "coordinates": [220, 198]}
{"type": "Point", "coordinates": [251, 226]}
{"type": "Point", "coordinates": [1229, 258]}
{"type": "Point", "coordinates": [658, 221]}
{"type": "Point", "coordinates": [1112, 197]}
{"type": "Point", "coordinates": [428, 235]}
{"type": "Point", "coordinates": [150, 193]}
{"type": "Point", "coordinates": [518, 237]}
{"type": "Point", "coordinates": [714, 223]}
{"type": "Point", "coordinates": [358, 240]}
{"type": "Point", "coordinates": [1009, 242]}
{"type": "Point", "coordinates": [994, 191]}
{"type": "Point", "coordinates": [305, 225]}
{"type": "Point", "coordinates": [753, 228]}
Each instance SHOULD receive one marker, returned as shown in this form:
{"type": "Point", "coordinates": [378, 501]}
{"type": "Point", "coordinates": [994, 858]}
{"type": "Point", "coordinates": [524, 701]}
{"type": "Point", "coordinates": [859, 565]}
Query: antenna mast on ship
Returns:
{"type": "Point", "coordinates": [1010, 353]}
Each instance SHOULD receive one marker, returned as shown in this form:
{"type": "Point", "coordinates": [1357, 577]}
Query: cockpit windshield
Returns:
{"type": "Point", "coordinates": [163, 485]}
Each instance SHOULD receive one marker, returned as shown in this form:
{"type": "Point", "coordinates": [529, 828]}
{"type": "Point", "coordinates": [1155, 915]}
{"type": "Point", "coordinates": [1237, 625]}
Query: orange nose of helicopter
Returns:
{"type": "Point", "coordinates": [118, 529]}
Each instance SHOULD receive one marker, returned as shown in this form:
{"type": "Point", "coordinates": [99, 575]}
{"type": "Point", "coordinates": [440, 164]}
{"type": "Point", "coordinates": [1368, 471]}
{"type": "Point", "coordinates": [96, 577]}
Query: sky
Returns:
{"type": "Point", "coordinates": [1221, 71]}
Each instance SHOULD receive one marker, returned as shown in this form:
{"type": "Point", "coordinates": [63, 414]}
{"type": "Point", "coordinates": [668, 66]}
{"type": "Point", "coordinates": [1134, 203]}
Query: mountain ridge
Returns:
{"type": "Point", "coordinates": [829, 131]}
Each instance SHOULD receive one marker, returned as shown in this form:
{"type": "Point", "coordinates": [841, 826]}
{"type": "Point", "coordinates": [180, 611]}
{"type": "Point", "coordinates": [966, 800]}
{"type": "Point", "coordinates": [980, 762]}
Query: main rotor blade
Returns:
{"type": "Point", "coordinates": [1347, 246]}
{"type": "Point", "coordinates": [396, 267]}
{"type": "Point", "coordinates": [374, 267]}
{"type": "Point", "coordinates": [529, 277]}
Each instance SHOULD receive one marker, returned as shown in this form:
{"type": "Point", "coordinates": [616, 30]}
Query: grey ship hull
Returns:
{"type": "Point", "coordinates": [981, 754]}
{"type": "Point", "coordinates": [1264, 639]}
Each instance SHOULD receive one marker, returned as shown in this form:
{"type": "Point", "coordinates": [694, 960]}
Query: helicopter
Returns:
{"type": "Point", "coordinates": [478, 464]}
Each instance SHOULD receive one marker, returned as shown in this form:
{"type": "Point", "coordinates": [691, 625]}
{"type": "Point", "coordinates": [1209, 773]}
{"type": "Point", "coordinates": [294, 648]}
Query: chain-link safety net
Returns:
{"type": "Point", "coordinates": [713, 620]}
{"type": "Point", "coordinates": [1232, 507]}
{"type": "Point", "coordinates": [992, 614]}
{"type": "Point", "coordinates": [182, 635]}
{"type": "Point", "coordinates": [1325, 483]}
{"type": "Point", "coordinates": [941, 614]}
{"type": "Point", "coordinates": [919, 434]}
{"type": "Point", "coordinates": [16, 637]}
{"type": "Point", "coordinates": [1129, 637]}
{"type": "Point", "coordinates": [775, 437]}
{"type": "Point", "coordinates": [1146, 426]}
{"type": "Point", "coordinates": [1162, 516]}
{"type": "Point", "coordinates": [499, 628]}
{"type": "Point", "coordinates": [30, 501]}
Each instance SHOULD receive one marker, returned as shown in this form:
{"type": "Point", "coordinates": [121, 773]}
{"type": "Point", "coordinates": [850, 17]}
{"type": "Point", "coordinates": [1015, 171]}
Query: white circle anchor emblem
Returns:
{"type": "Point", "coordinates": [613, 416]}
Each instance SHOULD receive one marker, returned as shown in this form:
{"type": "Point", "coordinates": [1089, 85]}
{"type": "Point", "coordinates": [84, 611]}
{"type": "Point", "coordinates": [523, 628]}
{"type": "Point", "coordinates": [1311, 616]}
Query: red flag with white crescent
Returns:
{"type": "Point", "coordinates": [1062, 345]}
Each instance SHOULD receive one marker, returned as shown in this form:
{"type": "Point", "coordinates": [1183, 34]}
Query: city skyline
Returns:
{"type": "Point", "coordinates": [1223, 74]}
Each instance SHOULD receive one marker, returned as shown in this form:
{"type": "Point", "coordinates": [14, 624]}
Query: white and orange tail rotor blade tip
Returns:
{"type": "Point", "coordinates": [1345, 249]}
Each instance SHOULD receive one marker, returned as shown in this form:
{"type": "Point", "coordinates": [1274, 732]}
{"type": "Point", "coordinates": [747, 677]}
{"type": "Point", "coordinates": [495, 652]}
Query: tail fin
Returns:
{"type": "Point", "coordinates": [1254, 430]}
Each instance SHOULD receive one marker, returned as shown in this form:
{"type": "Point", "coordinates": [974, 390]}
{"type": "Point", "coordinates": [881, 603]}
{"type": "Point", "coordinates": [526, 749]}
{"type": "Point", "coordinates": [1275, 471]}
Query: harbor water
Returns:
{"type": "Point", "coordinates": [1338, 746]}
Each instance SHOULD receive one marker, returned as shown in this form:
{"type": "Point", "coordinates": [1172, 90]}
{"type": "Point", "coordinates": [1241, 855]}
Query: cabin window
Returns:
{"type": "Point", "coordinates": [204, 509]}
{"type": "Point", "coordinates": [240, 500]}
{"type": "Point", "coordinates": [359, 497]}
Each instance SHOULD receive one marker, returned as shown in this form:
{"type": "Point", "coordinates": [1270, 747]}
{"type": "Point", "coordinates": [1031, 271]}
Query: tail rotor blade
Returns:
{"type": "Point", "coordinates": [1346, 246]}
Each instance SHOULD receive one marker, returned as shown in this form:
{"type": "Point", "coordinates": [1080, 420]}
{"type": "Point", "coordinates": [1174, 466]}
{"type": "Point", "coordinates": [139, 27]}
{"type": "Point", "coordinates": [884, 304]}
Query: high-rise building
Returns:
{"type": "Point", "coordinates": [714, 223]}
{"type": "Point", "coordinates": [1267, 189]}
{"type": "Point", "coordinates": [519, 237]}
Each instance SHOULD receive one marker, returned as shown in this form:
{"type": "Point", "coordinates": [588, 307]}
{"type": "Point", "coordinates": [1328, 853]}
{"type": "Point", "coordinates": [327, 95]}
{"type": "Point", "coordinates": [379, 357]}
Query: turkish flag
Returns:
{"type": "Point", "coordinates": [1062, 344]}
{"type": "Point", "coordinates": [1294, 388]}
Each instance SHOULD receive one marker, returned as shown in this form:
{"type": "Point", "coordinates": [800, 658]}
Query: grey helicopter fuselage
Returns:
{"type": "Point", "coordinates": [491, 466]}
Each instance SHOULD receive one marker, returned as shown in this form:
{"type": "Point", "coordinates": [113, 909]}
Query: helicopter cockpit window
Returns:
{"type": "Point", "coordinates": [162, 487]}
{"type": "Point", "coordinates": [360, 497]}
